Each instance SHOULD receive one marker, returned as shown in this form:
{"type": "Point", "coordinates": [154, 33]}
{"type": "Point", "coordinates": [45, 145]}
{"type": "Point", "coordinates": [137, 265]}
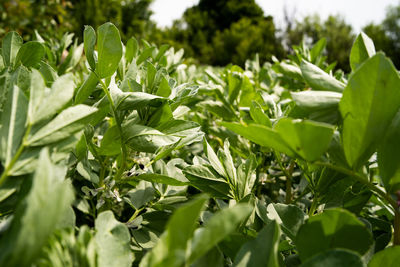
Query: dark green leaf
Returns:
{"type": "Point", "coordinates": [262, 251]}
{"type": "Point", "coordinates": [334, 258]}
{"type": "Point", "coordinates": [331, 229]}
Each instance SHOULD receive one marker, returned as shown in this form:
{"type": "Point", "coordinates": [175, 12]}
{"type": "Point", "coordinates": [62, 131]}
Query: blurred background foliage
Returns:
{"type": "Point", "coordinates": [215, 32]}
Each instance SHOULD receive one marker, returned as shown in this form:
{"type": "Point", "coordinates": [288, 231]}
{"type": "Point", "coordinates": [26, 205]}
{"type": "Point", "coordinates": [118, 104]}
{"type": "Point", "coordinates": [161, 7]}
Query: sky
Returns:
{"type": "Point", "coordinates": [358, 13]}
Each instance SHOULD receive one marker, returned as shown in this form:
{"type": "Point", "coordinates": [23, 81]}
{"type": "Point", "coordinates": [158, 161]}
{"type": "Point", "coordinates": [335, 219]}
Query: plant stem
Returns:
{"type": "Point", "coordinates": [314, 205]}
{"type": "Point", "coordinates": [396, 227]}
{"type": "Point", "coordinates": [364, 180]}
{"type": "Point", "coordinates": [117, 122]}
{"type": "Point", "coordinates": [288, 173]}
{"type": "Point", "coordinates": [21, 148]}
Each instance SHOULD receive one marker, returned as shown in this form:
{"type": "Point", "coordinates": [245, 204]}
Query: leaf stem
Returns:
{"type": "Point", "coordinates": [123, 147]}
{"type": "Point", "coordinates": [21, 148]}
{"type": "Point", "coordinates": [362, 179]}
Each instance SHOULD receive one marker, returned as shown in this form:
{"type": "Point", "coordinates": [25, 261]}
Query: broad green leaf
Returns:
{"type": "Point", "coordinates": [89, 41]}
{"type": "Point", "coordinates": [137, 100]}
{"type": "Point", "coordinates": [109, 49]}
{"type": "Point", "coordinates": [60, 95]}
{"type": "Point", "coordinates": [69, 121]}
{"type": "Point", "coordinates": [205, 178]}
{"type": "Point", "coordinates": [316, 100]}
{"type": "Point", "coordinates": [336, 257]}
{"type": "Point", "coordinates": [49, 74]}
{"type": "Point", "coordinates": [131, 49]}
{"type": "Point", "coordinates": [170, 250]}
{"type": "Point", "coordinates": [145, 54]}
{"type": "Point", "coordinates": [368, 106]}
{"type": "Point", "coordinates": [146, 139]}
{"type": "Point", "coordinates": [388, 257]}
{"type": "Point", "coordinates": [86, 88]}
{"type": "Point", "coordinates": [246, 176]}
{"type": "Point", "coordinates": [290, 70]}
{"type": "Point", "coordinates": [13, 119]}
{"type": "Point", "coordinates": [289, 217]}
{"type": "Point", "coordinates": [317, 49]}
{"type": "Point", "coordinates": [159, 178]}
{"type": "Point", "coordinates": [389, 156]}
{"type": "Point", "coordinates": [258, 115]}
{"type": "Point", "coordinates": [111, 142]}
{"type": "Point", "coordinates": [363, 48]}
{"type": "Point", "coordinates": [261, 135]}
{"type": "Point", "coordinates": [37, 215]}
{"type": "Point", "coordinates": [11, 44]}
{"type": "Point", "coordinates": [335, 228]}
{"type": "Point", "coordinates": [262, 251]}
{"type": "Point", "coordinates": [216, 229]}
{"type": "Point", "coordinates": [112, 241]}
{"type": "Point", "coordinates": [320, 80]}
{"type": "Point", "coordinates": [30, 54]}
{"type": "Point", "coordinates": [214, 160]}
{"type": "Point", "coordinates": [37, 92]}
{"type": "Point", "coordinates": [143, 193]}
{"type": "Point", "coordinates": [300, 136]}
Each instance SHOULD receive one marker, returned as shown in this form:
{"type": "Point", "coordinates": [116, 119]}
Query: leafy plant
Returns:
{"type": "Point", "coordinates": [129, 157]}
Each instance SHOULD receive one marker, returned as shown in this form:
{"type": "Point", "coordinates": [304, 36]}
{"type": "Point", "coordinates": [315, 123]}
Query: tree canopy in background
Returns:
{"type": "Point", "coordinates": [216, 32]}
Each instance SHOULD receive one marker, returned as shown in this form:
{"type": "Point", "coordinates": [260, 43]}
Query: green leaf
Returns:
{"type": "Point", "coordinates": [11, 44]}
{"type": "Point", "coordinates": [331, 229]}
{"type": "Point", "coordinates": [214, 160]}
{"type": "Point", "coordinates": [89, 41]}
{"type": "Point", "coordinates": [30, 54]}
{"type": "Point", "coordinates": [389, 156]}
{"type": "Point", "coordinates": [112, 241]}
{"type": "Point", "coordinates": [131, 49]}
{"type": "Point", "coordinates": [336, 257]}
{"type": "Point", "coordinates": [205, 178]}
{"type": "Point", "coordinates": [13, 119]}
{"type": "Point", "coordinates": [86, 88]}
{"type": "Point", "coordinates": [317, 49]}
{"type": "Point", "coordinates": [300, 136]}
{"type": "Point", "coordinates": [387, 257]}
{"type": "Point", "coordinates": [37, 215]}
{"type": "Point", "coordinates": [258, 115]}
{"type": "Point", "coordinates": [137, 100]}
{"type": "Point", "coordinates": [368, 106]}
{"type": "Point", "coordinates": [170, 250]}
{"type": "Point", "coordinates": [261, 135]}
{"type": "Point", "coordinates": [143, 193]}
{"type": "Point", "coordinates": [262, 251]}
{"type": "Point", "coordinates": [216, 229]}
{"type": "Point", "coordinates": [146, 139]}
{"type": "Point", "coordinates": [111, 143]}
{"type": "Point", "coordinates": [109, 48]}
{"type": "Point", "coordinates": [316, 100]}
{"type": "Point", "coordinates": [289, 217]}
{"type": "Point", "coordinates": [159, 178]}
{"type": "Point", "coordinates": [60, 95]}
{"type": "Point", "coordinates": [37, 92]}
{"type": "Point", "coordinates": [363, 48]}
{"type": "Point", "coordinates": [320, 80]}
{"type": "Point", "coordinates": [69, 121]}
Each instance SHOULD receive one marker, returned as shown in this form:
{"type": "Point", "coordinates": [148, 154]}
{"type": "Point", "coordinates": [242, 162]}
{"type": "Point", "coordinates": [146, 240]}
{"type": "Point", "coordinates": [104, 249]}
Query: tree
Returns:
{"type": "Point", "coordinates": [219, 32]}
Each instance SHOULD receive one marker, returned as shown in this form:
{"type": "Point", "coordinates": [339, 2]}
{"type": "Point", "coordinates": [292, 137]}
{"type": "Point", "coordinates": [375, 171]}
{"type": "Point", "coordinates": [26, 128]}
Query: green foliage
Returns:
{"type": "Point", "coordinates": [130, 157]}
